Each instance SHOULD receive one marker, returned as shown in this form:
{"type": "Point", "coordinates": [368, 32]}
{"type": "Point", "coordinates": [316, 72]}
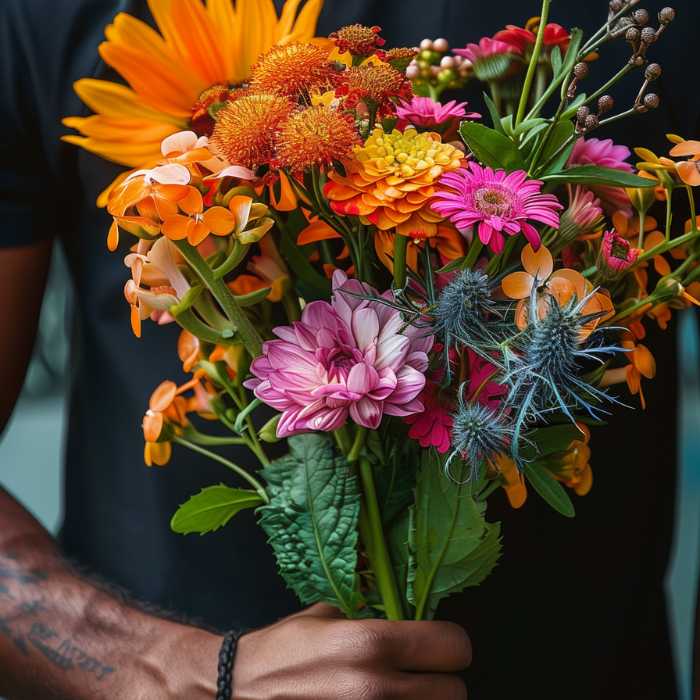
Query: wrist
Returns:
{"type": "Point", "coordinates": [178, 661]}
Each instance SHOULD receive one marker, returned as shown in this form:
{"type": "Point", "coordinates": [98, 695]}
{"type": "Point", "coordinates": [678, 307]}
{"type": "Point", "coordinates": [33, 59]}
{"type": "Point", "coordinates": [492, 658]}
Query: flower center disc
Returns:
{"type": "Point", "coordinates": [493, 201]}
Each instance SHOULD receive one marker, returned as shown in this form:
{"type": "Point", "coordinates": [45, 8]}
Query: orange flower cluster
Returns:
{"type": "Point", "coordinates": [391, 179]}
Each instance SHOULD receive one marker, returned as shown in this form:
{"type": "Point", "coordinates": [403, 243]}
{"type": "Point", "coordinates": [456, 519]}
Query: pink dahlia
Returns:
{"type": "Point", "coordinates": [427, 113]}
{"type": "Point", "coordinates": [350, 357]}
{"type": "Point", "coordinates": [605, 154]}
{"type": "Point", "coordinates": [500, 203]}
{"type": "Point", "coordinates": [485, 48]}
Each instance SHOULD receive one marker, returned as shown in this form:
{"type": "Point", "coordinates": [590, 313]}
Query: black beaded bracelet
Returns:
{"type": "Point", "coordinates": [227, 655]}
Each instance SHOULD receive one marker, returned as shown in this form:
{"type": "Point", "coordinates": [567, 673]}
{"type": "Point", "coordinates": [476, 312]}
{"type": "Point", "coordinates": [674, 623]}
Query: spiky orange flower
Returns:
{"type": "Point", "coordinates": [358, 39]}
{"type": "Point", "coordinates": [391, 179]}
{"type": "Point", "coordinates": [315, 136]}
{"type": "Point", "coordinates": [398, 57]}
{"type": "Point", "coordinates": [375, 83]}
{"type": "Point", "coordinates": [247, 129]}
{"type": "Point", "coordinates": [292, 70]}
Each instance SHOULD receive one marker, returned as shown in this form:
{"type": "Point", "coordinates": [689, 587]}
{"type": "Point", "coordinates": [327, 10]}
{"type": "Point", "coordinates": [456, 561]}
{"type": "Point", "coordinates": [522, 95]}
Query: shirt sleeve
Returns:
{"type": "Point", "coordinates": [27, 194]}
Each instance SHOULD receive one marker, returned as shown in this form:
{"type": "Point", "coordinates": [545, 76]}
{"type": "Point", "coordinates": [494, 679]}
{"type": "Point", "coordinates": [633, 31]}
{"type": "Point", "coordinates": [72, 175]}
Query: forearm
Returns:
{"type": "Point", "coordinates": [63, 637]}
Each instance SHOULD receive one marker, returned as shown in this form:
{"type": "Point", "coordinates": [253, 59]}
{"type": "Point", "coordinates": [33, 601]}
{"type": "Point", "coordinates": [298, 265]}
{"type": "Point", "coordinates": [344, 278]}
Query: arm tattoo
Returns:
{"type": "Point", "coordinates": [26, 624]}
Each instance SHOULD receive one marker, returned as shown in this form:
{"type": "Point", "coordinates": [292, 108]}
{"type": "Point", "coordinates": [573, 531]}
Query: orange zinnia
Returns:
{"type": "Point", "coordinates": [196, 46]}
{"type": "Point", "coordinates": [391, 179]}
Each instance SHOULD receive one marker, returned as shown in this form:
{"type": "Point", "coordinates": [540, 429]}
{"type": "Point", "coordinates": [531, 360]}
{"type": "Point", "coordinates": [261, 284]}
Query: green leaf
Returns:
{"type": "Point", "coordinates": [398, 543]}
{"type": "Point", "coordinates": [493, 113]}
{"type": "Point", "coordinates": [553, 438]}
{"type": "Point", "coordinates": [549, 489]}
{"type": "Point", "coordinates": [491, 147]}
{"type": "Point", "coordinates": [593, 175]}
{"type": "Point", "coordinates": [312, 522]}
{"type": "Point", "coordinates": [561, 132]}
{"type": "Point", "coordinates": [212, 508]}
{"type": "Point", "coordinates": [451, 545]}
{"type": "Point", "coordinates": [556, 61]}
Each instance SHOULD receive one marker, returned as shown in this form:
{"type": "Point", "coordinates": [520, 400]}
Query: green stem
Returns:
{"type": "Point", "coordinates": [291, 305]}
{"type": "Point", "coordinates": [400, 247]}
{"type": "Point", "coordinates": [373, 536]}
{"type": "Point", "coordinates": [474, 249]}
{"type": "Point", "coordinates": [534, 60]}
{"type": "Point", "coordinates": [244, 326]}
{"type": "Point", "coordinates": [640, 240]}
{"type": "Point", "coordinates": [190, 322]}
{"type": "Point", "coordinates": [669, 213]}
{"type": "Point", "coordinates": [230, 465]}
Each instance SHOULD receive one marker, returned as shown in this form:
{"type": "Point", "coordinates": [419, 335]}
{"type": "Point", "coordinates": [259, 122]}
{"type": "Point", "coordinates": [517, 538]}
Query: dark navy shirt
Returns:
{"type": "Point", "coordinates": [576, 609]}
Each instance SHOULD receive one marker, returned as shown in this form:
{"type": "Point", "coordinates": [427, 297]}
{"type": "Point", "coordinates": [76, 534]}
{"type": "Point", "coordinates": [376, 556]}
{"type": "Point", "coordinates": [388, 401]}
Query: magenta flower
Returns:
{"type": "Point", "coordinates": [427, 113]}
{"type": "Point", "coordinates": [485, 48]}
{"type": "Point", "coordinates": [616, 252]}
{"type": "Point", "coordinates": [500, 203]}
{"type": "Point", "coordinates": [432, 427]}
{"type": "Point", "coordinates": [480, 386]}
{"type": "Point", "coordinates": [605, 154]}
{"type": "Point", "coordinates": [350, 357]}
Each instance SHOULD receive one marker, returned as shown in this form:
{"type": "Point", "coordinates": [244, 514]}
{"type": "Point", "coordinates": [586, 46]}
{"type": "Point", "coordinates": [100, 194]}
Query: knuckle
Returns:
{"type": "Point", "coordinates": [457, 641]}
{"type": "Point", "coordinates": [356, 639]}
{"type": "Point", "coordinates": [361, 685]}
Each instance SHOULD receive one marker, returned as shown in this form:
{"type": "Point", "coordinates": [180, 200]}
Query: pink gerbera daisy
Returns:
{"type": "Point", "coordinates": [500, 203]}
{"type": "Point", "coordinates": [485, 48]}
{"type": "Point", "coordinates": [425, 112]}
{"type": "Point", "coordinates": [605, 154]}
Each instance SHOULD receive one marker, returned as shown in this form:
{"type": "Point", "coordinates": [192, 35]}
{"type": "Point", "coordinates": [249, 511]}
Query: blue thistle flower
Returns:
{"type": "Point", "coordinates": [544, 374]}
{"type": "Point", "coordinates": [478, 434]}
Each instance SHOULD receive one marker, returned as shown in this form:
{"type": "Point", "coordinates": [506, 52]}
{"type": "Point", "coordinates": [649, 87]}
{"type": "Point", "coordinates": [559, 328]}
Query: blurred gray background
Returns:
{"type": "Point", "coordinates": [31, 447]}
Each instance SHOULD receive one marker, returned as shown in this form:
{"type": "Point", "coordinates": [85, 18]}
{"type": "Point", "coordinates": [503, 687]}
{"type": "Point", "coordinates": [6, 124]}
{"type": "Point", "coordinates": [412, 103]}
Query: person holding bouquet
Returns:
{"type": "Point", "coordinates": [579, 614]}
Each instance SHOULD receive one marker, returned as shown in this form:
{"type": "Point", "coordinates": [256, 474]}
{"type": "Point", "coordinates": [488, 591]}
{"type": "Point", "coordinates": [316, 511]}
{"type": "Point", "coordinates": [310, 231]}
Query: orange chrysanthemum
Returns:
{"type": "Point", "coordinates": [247, 129]}
{"type": "Point", "coordinates": [358, 39]}
{"type": "Point", "coordinates": [292, 70]}
{"type": "Point", "coordinates": [391, 179]}
{"type": "Point", "coordinates": [315, 136]}
{"type": "Point", "coordinates": [374, 83]}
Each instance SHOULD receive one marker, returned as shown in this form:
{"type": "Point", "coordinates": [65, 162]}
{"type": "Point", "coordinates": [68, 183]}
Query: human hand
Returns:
{"type": "Point", "coordinates": [316, 655]}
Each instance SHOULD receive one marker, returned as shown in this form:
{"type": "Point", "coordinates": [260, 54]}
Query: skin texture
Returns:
{"type": "Point", "coordinates": [64, 637]}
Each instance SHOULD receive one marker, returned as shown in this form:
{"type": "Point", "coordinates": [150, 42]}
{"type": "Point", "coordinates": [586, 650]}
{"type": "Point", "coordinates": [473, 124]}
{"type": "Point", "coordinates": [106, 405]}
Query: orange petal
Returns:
{"type": "Point", "coordinates": [177, 227]}
{"type": "Point", "coordinates": [163, 396]}
{"type": "Point", "coordinates": [317, 231]}
{"type": "Point", "coordinates": [574, 278]}
{"type": "Point", "coordinates": [152, 425]}
{"type": "Point", "coordinates": [113, 237]}
{"type": "Point", "coordinates": [686, 148]}
{"type": "Point", "coordinates": [689, 173]}
{"type": "Point", "coordinates": [661, 265]}
{"type": "Point", "coordinates": [644, 361]}
{"type": "Point", "coordinates": [240, 206]}
{"type": "Point", "coordinates": [653, 239]}
{"type": "Point", "coordinates": [219, 220]}
{"type": "Point", "coordinates": [586, 483]}
{"type": "Point", "coordinates": [539, 264]}
{"type": "Point", "coordinates": [518, 285]}
{"type": "Point", "coordinates": [192, 202]}
{"type": "Point", "coordinates": [197, 232]}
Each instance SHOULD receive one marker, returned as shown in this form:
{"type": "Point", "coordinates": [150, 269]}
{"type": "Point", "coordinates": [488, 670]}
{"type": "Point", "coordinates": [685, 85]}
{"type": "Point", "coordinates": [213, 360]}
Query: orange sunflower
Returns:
{"type": "Point", "coordinates": [197, 45]}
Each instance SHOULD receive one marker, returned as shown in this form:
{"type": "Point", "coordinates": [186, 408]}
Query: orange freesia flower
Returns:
{"type": "Point", "coordinates": [574, 469]}
{"type": "Point", "coordinates": [641, 364]}
{"type": "Point", "coordinates": [513, 480]}
{"type": "Point", "coordinates": [562, 285]}
{"type": "Point", "coordinates": [196, 224]}
{"type": "Point", "coordinates": [156, 283]}
{"type": "Point", "coordinates": [628, 226]}
{"type": "Point", "coordinates": [195, 46]}
{"type": "Point", "coordinates": [390, 181]}
{"type": "Point", "coordinates": [688, 170]}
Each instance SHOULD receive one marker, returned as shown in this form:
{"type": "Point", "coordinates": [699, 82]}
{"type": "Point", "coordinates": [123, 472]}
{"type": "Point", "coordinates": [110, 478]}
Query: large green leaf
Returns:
{"type": "Point", "coordinates": [312, 522]}
{"type": "Point", "coordinates": [491, 147]}
{"type": "Point", "coordinates": [451, 545]}
{"type": "Point", "coordinates": [212, 508]}
{"type": "Point", "coordinates": [552, 438]}
{"type": "Point", "coordinates": [549, 489]}
{"type": "Point", "coordinates": [593, 175]}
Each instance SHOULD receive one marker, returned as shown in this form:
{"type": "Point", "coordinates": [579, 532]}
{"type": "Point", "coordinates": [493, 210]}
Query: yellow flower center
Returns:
{"type": "Point", "coordinates": [406, 154]}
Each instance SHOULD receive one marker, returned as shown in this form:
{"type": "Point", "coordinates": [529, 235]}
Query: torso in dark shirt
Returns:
{"type": "Point", "coordinates": [575, 610]}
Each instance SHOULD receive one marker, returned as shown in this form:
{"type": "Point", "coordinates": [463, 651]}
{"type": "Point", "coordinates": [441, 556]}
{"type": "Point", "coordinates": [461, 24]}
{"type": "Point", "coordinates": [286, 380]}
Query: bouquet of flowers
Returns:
{"type": "Point", "coordinates": [421, 304]}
